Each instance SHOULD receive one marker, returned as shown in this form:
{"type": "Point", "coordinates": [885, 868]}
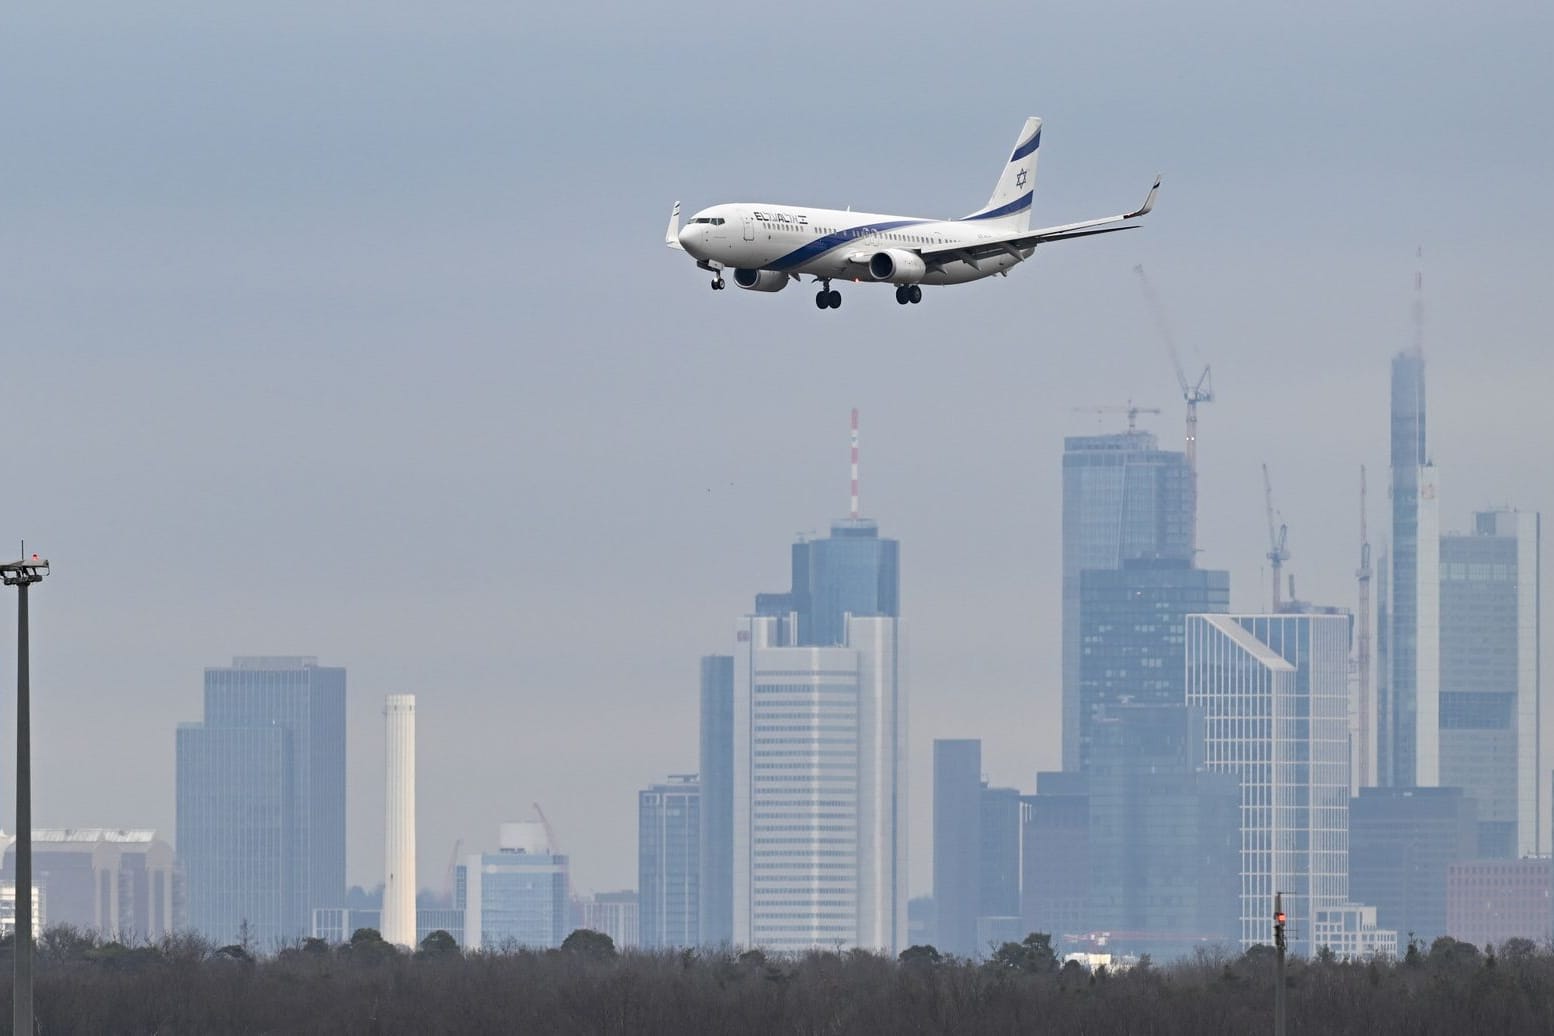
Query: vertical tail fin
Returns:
{"type": "Point", "coordinates": [1010, 205]}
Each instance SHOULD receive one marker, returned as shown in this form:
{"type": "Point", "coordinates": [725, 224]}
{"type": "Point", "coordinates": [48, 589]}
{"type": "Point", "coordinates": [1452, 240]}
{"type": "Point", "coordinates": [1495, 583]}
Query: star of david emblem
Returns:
{"type": "Point", "coordinates": [1019, 178]}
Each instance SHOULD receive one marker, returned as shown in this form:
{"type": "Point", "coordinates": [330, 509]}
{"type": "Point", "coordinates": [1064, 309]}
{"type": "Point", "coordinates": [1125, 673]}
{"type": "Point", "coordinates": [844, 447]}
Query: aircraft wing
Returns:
{"type": "Point", "coordinates": [1015, 243]}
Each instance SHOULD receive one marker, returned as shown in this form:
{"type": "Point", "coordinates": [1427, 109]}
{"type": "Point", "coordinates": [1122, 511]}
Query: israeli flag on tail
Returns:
{"type": "Point", "coordinates": [1010, 206]}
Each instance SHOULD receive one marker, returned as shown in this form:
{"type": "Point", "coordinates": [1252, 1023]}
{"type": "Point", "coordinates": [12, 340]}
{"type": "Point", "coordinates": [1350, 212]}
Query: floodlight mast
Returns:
{"type": "Point", "coordinates": [22, 574]}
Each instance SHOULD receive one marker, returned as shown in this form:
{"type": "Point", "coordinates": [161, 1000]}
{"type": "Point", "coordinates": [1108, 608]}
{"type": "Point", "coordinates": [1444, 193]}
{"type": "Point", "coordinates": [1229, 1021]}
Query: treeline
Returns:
{"type": "Point", "coordinates": [184, 985]}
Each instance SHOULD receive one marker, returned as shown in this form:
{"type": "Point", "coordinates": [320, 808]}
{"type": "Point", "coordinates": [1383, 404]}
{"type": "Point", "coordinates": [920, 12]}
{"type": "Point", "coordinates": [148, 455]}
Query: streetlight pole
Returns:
{"type": "Point", "coordinates": [1278, 966]}
{"type": "Point", "coordinates": [22, 574]}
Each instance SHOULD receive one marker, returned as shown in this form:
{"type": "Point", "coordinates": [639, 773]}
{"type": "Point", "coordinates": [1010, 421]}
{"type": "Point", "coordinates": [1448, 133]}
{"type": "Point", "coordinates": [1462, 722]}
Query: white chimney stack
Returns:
{"type": "Point", "coordinates": [399, 823]}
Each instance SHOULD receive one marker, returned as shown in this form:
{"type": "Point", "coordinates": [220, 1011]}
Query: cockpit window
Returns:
{"type": "Point", "coordinates": [716, 221]}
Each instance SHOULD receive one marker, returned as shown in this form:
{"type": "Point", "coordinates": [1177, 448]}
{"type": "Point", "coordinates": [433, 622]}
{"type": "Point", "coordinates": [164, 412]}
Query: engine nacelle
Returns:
{"type": "Point", "coordinates": [898, 266]}
{"type": "Point", "coordinates": [761, 280]}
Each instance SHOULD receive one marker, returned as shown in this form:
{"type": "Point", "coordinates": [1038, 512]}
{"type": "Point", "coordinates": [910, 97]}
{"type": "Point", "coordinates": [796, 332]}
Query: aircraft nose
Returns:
{"type": "Point", "coordinates": [690, 236]}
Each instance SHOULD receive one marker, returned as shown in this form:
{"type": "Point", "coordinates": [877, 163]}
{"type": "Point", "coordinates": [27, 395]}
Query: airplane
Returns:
{"type": "Point", "coordinates": [769, 245]}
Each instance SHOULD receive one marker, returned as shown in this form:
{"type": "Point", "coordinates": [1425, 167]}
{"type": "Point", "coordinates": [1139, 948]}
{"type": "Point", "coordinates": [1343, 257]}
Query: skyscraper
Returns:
{"type": "Point", "coordinates": [820, 791]}
{"type": "Point", "coordinates": [668, 862]}
{"type": "Point", "coordinates": [399, 821]}
{"type": "Point", "coordinates": [1131, 622]}
{"type": "Point", "coordinates": [1274, 690]}
{"type": "Point", "coordinates": [1489, 688]}
{"type": "Point", "coordinates": [1055, 851]}
{"type": "Point", "coordinates": [1164, 835]}
{"type": "Point", "coordinates": [1123, 498]}
{"type": "Point", "coordinates": [957, 844]}
{"type": "Point", "coordinates": [261, 799]}
{"type": "Point", "coordinates": [716, 868]}
{"type": "Point", "coordinates": [1411, 739]}
{"type": "Point", "coordinates": [519, 895]}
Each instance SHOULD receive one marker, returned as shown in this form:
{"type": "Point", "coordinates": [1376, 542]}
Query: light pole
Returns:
{"type": "Point", "coordinates": [22, 574]}
{"type": "Point", "coordinates": [1278, 965]}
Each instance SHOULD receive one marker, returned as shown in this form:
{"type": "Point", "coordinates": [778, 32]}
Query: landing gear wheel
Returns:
{"type": "Point", "coordinates": [902, 295]}
{"type": "Point", "coordinates": [717, 284]}
{"type": "Point", "coordinates": [822, 300]}
{"type": "Point", "coordinates": [834, 299]}
{"type": "Point", "coordinates": [914, 294]}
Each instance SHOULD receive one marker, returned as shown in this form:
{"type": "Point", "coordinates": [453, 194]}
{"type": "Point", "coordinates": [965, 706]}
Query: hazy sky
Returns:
{"type": "Point", "coordinates": [347, 330]}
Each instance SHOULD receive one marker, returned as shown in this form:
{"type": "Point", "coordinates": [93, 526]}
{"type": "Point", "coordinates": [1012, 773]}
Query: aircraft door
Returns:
{"type": "Point", "coordinates": [749, 229]}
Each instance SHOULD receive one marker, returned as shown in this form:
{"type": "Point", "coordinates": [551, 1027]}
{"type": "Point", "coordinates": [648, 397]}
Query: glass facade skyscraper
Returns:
{"type": "Point", "coordinates": [1274, 690]}
{"type": "Point", "coordinates": [261, 799]}
{"type": "Point", "coordinates": [1409, 745]}
{"type": "Point", "coordinates": [1489, 690]}
{"type": "Point", "coordinates": [1164, 834]}
{"type": "Point", "coordinates": [716, 867]}
{"type": "Point", "coordinates": [957, 844]}
{"type": "Point", "coordinates": [668, 861]}
{"type": "Point", "coordinates": [1130, 625]}
{"type": "Point", "coordinates": [852, 572]}
{"type": "Point", "coordinates": [1123, 498]}
{"type": "Point", "coordinates": [517, 896]}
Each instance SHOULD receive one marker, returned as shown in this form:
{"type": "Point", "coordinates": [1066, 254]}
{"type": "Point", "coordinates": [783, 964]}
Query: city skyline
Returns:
{"type": "Point", "coordinates": [279, 312]}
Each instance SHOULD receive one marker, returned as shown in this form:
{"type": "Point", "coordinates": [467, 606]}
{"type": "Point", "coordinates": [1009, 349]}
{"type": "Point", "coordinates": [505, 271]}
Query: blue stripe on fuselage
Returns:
{"type": "Point", "coordinates": [820, 246]}
{"type": "Point", "coordinates": [1027, 147]}
{"type": "Point", "coordinates": [1022, 202]}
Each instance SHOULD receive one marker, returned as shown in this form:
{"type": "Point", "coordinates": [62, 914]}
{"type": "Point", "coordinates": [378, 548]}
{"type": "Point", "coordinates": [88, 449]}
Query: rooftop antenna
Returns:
{"type": "Point", "coordinates": [855, 464]}
{"type": "Point", "coordinates": [1363, 646]}
{"type": "Point", "coordinates": [1419, 302]}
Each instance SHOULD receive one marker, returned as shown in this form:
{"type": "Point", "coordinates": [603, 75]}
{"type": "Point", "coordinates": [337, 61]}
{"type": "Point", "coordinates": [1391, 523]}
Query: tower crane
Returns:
{"type": "Point", "coordinates": [550, 832]}
{"type": "Point", "coordinates": [1132, 411]}
{"type": "Point", "coordinates": [1193, 393]}
{"type": "Point", "coordinates": [1278, 538]}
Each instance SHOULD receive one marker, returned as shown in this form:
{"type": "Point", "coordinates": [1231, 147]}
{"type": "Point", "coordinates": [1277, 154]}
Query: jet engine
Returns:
{"type": "Point", "coordinates": [897, 266]}
{"type": "Point", "coordinates": [761, 280]}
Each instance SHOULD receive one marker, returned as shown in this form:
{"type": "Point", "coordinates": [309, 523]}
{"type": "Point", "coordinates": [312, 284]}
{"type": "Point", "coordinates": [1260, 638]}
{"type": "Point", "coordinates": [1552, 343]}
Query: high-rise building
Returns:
{"type": "Point", "coordinates": [1491, 901]}
{"type": "Point", "coordinates": [1274, 690]}
{"type": "Point", "coordinates": [1055, 855]}
{"type": "Point", "coordinates": [1402, 843]}
{"type": "Point", "coordinates": [716, 867]}
{"type": "Point", "coordinates": [854, 571]}
{"type": "Point", "coordinates": [1489, 688]}
{"type": "Point", "coordinates": [121, 884]}
{"type": "Point", "coordinates": [820, 791]}
{"type": "Point", "coordinates": [1123, 498]}
{"type": "Point", "coordinates": [261, 799]}
{"type": "Point", "coordinates": [1131, 621]}
{"type": "Point", "coordinates": [668, 862]}
{"type": "Point", "coordinates": [517, 896]}
{"type": "Point", "coordinates": [1409, 745]}
{"type": "Point", "coordinates": [616, 914]}
{"type": "Point", "coordinates": [957, 844]}
{"type": "Point", "coordinates": [1165, 834]}
{"type": "Point", "coordinates": [399, 821]}
{"type": "Point", "coordinates": [998, 870]}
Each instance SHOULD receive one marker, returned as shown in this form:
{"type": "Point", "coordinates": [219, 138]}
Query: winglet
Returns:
{"type": "Point", "coordinates": [1149, 202]}
{"type": "Point", "coordinates": [672, 235]}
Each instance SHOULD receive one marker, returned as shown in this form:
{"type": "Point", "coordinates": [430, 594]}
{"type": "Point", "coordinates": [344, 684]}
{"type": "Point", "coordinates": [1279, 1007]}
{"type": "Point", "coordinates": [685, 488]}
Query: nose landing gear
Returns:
{"type": "Point", "coordinates": [717, 283]}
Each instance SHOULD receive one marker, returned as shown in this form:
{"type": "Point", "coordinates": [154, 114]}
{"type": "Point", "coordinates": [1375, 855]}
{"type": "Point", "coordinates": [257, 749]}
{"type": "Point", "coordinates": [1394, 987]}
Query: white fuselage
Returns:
{"type": "Point", "coordinates": [832, 243]}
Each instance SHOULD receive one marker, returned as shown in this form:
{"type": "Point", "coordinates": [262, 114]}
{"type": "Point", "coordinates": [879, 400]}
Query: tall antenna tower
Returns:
{"type": "Point", "coordinates": [1419, 302]}
{"type": "Point", "coordinates": [1363, 648]}
{"type": "Point", "coordinates": [1278, 539]}
{"type": "Point", "coordinates": [855, 464]}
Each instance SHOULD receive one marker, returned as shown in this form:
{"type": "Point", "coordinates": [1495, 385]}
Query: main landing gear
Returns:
{"type": "Point", "coordinates": [909, 293]}
{"type": "Point", "coordinates": [825, 298]}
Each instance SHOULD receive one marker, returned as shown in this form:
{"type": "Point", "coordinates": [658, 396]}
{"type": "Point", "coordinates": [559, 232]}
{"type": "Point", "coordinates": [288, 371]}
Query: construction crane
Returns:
{"type": "Point", "coordinates": [453, 864]}
{"type": "Point", "coordinates": [1278, 538]}
{"type": "Point", "coordinates": [1193, 393]}
{"type": "Point", "coordinates": [550, 832]}
{"type": "Point", "coordinates": [1363, 648]}
{"type": "Point", "coordinates": [1132, 411]}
